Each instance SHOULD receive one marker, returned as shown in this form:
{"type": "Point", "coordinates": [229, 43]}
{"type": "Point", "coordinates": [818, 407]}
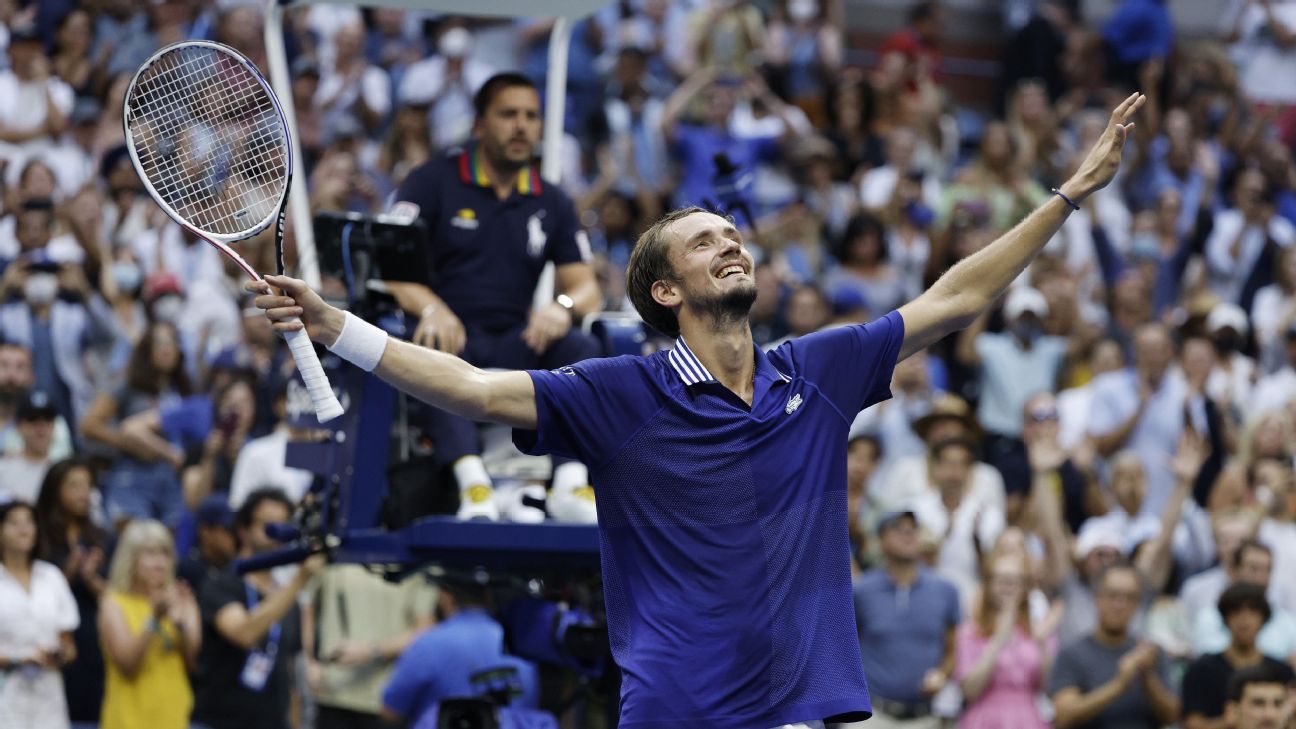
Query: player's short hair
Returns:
{"type": "Point", "coordinates": [1263, 673]}
{"type": "Point", "coordinates": [650, 263]}
{"type": "Point", "coordinates": [495, 85]}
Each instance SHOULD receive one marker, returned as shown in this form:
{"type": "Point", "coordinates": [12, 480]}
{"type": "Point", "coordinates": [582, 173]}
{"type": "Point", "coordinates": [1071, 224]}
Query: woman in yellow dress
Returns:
{"type": "Point", "coordinates": [151, 632]}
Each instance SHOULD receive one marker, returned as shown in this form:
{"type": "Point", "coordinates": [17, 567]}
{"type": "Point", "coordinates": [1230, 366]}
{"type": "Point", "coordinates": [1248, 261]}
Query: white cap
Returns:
{"type": "Point", "coordinates": [1025, 299]}
{"type": "Point", "coordinates": [455, 43]}
{"type": "Point", "coordinates": [1098, 535]}
{"type": "Point", "coordinates": [1226, 315]}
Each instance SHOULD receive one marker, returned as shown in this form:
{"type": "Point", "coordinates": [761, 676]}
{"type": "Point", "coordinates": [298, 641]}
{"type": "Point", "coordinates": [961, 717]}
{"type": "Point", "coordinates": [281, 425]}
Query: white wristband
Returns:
{"type": "Point", "coordinates": [360, 343]}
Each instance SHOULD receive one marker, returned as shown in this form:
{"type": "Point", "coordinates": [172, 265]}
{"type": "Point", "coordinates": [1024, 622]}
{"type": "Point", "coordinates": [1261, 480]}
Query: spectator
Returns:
{"type": "Point", "coordinates": [37, 617]}
{"type": "Point", "coordinates": [478, 303]}
{"type": "Point", "coordinates": [214, 545]}
{"type": "Point", "coordinates": [1013, 364]}
{"type": "Point", "coordinates": [1244, 610]}
{"type": "Point", "coordinates": [1259, 699]}
{"type": "Point", "coordinates": [71, 60]}
{"type": "Point", "coordinates": [447, 660]}
{"type": "Point", "coordinates": [251, 630]}
{"type": "Point", "coordinates": [1037, 49]}
{"type": "Point", "coordinates": [1273, 313]}
{"type": "Point", "coordinates": [351, 86]}
{"type": "Point", "coordinates": [804, 46]}
{"type": "Point", "coordinates": [37, 102]}
{"type": "Point", "coordinates": [143, 480]}
{"type": "Point", "coordinates": [1110, 678]}
{"type": "Point", "coordinates": [407, 143]}
{"type": "Point", "coordinates": [1253, 565]}
{"type": "Point", "coordinates": [1139, 31]}
{"type": "Point", "coordinates": [1080, 494]}
{"type": "Point", "coordinates": [21, 474]}
{"type": "Point", "coordinates": [71, 540]}
{"type": "Point", "coordinates": [151, 633]}
{"type": "Point", "coordinates": [907, 617]}
{"type": "Point", "coordinates": [1234, 373]}
{"type": "Point", "coordinates": [1201, 592]}
{"type": "Point", "coordinates": [995, 179]}
{"type": "Point", "coordinates": [234, 414]}
{"type": "Point", "coordinates": [1003, 660]}
{"type": "Point", "coordinates": [1033, 124]}
{"type": "Point", "coordinates": [919, 40]}
{"type": "Point", "coordinates": [1241, 235]}
{"type": "Point", "coordinates": [16, 381]}
{"type": "Point", "coordinates": [863, 453]}
{"type": "Point", "coordinates": [865, 269]}
{"type": "Point", "coordinates": [725, 36]}
{"type": "Point", "coordinates": [969, 521]}
{"type": "Point", "coordinates": [1262, 34]}
{"type": "Point", "coordinates": [350, 661]}
{"type": "Point", "coordinates": [123, 40]}
{"type": "Point", "coordinates": [695, 145]}
{"type": "Point", "coordinates": [447, 83]}
{"type": "Point", "coordinates": [58, 330]}
{"type": "Point", "coordinates": [947, 418]}
{"type": "Point", "coordinates": [1075, 403]}
{"type": "Point", "coordinates": [261, 463]}
{"type": "Point", "coordinates": [1275, 390]}
{"type": "Point", "coordinates": [1142, 408]}
{"type": "Point", "coordinates": [1128, 489]}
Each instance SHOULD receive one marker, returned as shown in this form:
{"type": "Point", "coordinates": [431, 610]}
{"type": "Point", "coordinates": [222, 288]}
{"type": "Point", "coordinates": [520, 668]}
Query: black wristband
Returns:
{"type": "Point", "coordinates": [1068, 200]}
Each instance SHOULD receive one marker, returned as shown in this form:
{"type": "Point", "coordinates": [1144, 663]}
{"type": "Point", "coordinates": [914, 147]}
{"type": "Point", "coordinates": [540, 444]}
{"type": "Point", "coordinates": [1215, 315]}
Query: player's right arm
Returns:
{"type": "Point", "coordinates": [437, 378]}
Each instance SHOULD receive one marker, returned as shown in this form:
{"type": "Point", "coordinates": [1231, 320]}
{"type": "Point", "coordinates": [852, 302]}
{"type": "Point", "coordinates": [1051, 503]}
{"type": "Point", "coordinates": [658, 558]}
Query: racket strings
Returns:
{"type": "Point", "coordinates": [210, 140]}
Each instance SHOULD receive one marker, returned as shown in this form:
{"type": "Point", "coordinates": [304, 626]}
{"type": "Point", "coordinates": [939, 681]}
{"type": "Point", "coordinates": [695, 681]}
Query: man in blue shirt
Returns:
{"type": "Point", "coordinates": [907, 617]}
{"type": "Point", "coordinates": [696, 144]}
{"type": "Point", "coordinates": [493, 225]}
{"type": "Point", "coordinates": [721, 469]}
{"type": "Point", "coordinates": [452, 659]}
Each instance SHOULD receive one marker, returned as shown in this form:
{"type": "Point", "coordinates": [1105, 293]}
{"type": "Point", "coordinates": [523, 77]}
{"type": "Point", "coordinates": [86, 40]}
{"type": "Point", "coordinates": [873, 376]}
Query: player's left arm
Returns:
{"type": "Point", "coordinates": [968, 289]}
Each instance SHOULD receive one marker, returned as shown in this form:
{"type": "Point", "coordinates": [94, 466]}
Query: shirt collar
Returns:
{"type": "Point", "coordinates": [691, 371]}
{"type": "Point", "coordinates": [471, 172]}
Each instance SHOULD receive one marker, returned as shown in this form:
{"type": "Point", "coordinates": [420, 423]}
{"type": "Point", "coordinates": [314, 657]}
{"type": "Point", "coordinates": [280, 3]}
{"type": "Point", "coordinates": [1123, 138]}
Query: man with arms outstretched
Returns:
{"type": "Point", "coordinates": [720, 469]}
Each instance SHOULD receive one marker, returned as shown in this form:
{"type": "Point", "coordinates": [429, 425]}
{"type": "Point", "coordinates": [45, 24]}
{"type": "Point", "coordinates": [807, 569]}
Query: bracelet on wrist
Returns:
{"type": "Point", "coordinates": [1066, 199]}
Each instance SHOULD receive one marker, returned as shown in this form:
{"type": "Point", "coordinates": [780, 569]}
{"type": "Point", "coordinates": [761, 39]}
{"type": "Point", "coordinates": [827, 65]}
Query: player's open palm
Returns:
{"type": "Point", "coordinates": [1099, 167]}
{"type": "Point", "coordinates": [323, 323]}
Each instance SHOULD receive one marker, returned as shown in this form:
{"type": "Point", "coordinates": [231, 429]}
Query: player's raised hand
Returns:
{"type": "Point", "coordinates": [1100, 165]}
{"type": "Point", "coordinates": [323, 323]}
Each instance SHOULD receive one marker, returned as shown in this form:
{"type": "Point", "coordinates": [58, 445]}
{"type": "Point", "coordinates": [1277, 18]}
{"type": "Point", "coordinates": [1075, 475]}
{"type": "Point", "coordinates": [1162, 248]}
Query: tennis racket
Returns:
{"type": "Point", "coordinates": [208, 139]}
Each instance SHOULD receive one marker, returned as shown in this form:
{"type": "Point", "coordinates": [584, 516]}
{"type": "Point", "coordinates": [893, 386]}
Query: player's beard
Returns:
{"type": "Point", "coordinates": [727, 309]}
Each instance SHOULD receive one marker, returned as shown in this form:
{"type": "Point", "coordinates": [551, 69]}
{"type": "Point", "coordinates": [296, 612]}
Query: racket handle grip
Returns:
{"type": "Point", "coordinates": [326, 403]}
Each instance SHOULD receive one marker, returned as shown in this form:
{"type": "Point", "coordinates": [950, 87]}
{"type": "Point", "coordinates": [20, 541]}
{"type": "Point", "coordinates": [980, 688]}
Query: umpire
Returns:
{"type": "Point", "coordinates": [493, 226]}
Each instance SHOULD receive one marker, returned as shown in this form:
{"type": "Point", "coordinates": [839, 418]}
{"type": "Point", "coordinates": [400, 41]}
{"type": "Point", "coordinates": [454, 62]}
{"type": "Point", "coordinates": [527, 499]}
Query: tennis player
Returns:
{"type": "Point", "coordinates": [720, 469]}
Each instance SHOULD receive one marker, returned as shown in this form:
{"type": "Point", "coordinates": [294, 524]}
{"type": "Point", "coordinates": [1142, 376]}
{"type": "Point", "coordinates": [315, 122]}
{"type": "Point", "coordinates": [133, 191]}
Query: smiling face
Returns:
{"type": "Point", "coordinates": [712, 271]}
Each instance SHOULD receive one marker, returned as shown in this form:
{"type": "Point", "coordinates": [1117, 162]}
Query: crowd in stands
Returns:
{"type": "Point", "coordinates": [1081, 510]}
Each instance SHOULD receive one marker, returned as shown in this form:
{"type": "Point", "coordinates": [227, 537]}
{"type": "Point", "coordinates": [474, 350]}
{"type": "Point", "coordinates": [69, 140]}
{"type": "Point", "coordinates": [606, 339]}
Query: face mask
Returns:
{"type": "Point", "coordinates": [40, 289]}
{"type": "Point", "coordinates": [1025, 331]}
{"type": "Point", "coordinates": [127, 276]}
{"type": "Point", "coordinates": [803, 10]}
{"type": "Point", "coordinates": [1226, 341]}
{"type": "Point", "coordinates": [167, 309]}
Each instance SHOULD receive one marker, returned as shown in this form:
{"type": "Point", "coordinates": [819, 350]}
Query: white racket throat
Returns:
{"type": "Point", "coordinates": [210, 143]}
